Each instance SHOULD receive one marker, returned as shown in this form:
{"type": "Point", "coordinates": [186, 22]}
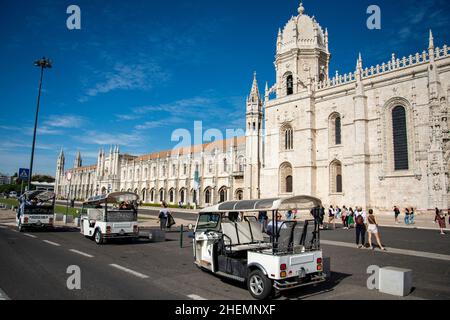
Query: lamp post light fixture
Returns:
{"type": "Point", "coordinates": [43, 64]}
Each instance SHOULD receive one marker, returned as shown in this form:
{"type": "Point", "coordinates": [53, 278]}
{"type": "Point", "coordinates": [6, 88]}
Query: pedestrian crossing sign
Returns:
{"type": "Point", "coordinates": [24, 174]}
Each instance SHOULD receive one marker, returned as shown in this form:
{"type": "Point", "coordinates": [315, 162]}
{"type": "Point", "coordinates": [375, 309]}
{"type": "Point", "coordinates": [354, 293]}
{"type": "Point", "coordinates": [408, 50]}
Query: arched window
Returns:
{"type": "Point", "coordinates": [400, 136]}
{"type": "Point", "coordinates": [288, 138]}
{"type": "Point", "coordinates": [286, 178]}
{"type": "Point", "coordinates": [185, 169]}
{"type": "Point", "coordinates": [144, 195]}
{"type": "Point", "coordinates": [161, 195]}
{"type": "Point", "coordinates": [239, 195]}
{"type": "Point", "coordinates": [152, 196]}
{"type": "Point", "coordinates": [164, 171]}
{"type": "Point", "coordinates": [241, 164]}
{"type": "Point", "coordinates": [337, 133]}
{"type": "Point", "coordinates": [182, 196]}
{"type": "Point", "coordinates": [208, 196]}
{"type": "Point", "coordinates": [194, 196]}
{"type": "Point", "coordinates": [289, 186]}
{"type": "Point", "coordinates": [223, 195]}
{"type": "Point", "coordinates": [225, 165]}
{"type": "Point", "coordinates": [171, 196]}
{"type": "Point", "coordinates": [289, 85]}
{"type": "Point", "coordinates": [335, 128]}
{"type": "Point", "coordinates": [336, 185]}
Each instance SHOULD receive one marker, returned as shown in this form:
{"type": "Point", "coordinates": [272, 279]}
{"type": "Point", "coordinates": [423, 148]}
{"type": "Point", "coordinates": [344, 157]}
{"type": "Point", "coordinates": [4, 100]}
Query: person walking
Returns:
{"type": "Point", "coordinates": [441, 220]}
{"type": "Point", "coordinates": [345, 217]}
{"type": "Point", "coordinates": [372, 229]}
{"type": "Point", "coordinates": [411, 216]}
{"type": "Point", "coordinates": [351, 218]}
{"type": "Point", "coordinates": [331, 216]}
{"type": "Point", "coordinates": [163, 216]}
{"type": "Point", "coordinates": [361, 220]}
{"type": "Point", "coordinates": [321, 217]}
{"type": "Point", "coordinates": [397, 214]}
{"type": "Point", "coordinates": [407, 214]}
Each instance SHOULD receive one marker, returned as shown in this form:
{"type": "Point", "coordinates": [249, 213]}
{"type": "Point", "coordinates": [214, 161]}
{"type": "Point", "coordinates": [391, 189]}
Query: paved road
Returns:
{"type": "Point", "coordinates": [34, 269]}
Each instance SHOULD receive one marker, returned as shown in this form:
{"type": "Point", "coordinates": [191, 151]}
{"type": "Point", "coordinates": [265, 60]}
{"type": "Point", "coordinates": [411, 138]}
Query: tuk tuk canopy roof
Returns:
{"type": "Point", "coordinates": [41, 195]}
{"type": "Point", "coordinates": [291, 203]}
{"type": "Point", "coordinates": [115, 197]}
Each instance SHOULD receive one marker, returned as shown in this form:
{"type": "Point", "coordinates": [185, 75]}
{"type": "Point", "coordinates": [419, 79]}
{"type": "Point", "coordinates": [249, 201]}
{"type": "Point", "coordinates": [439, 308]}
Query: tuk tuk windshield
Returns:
{"type": "Point", "coordinates": [208, 221]}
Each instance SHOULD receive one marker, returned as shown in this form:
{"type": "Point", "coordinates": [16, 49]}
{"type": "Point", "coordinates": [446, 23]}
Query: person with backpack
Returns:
{"type": "Point", "coordinates": [360, 220]}
{"type": "Point", "coordinates": [163, 216]}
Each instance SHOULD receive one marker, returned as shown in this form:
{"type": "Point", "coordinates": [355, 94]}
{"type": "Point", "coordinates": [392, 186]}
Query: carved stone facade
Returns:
{"type": "Point", "coordinates": [375, 137]}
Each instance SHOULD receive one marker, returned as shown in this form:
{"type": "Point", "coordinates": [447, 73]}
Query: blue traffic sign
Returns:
{"type": "Point", "coordinates": [24, 174]}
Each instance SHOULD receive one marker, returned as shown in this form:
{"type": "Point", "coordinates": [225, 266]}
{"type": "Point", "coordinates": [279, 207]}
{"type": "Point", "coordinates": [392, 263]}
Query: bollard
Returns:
{"type": "Point", "coordinates": [181, 236]}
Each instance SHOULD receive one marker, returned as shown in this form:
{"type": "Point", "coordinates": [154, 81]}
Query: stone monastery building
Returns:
{"type": "Point", "coordinates": [375, 137]}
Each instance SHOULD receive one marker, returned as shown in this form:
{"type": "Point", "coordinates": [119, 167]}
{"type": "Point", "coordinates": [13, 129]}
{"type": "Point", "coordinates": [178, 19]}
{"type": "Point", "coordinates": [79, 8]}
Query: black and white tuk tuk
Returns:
{"type": "Point", "coordinates": [36, 210]}
{"type": "Point", "coordinates": [230, 242]}
{"type": "Point", "coordinates": [110, 216]}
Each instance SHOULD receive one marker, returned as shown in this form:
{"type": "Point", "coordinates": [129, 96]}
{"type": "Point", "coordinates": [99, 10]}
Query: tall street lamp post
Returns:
{"type": "Point", "coordinates": [43, 64]}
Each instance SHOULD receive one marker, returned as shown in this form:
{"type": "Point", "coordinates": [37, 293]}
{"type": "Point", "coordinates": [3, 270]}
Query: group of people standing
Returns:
{"type": "Point", "coordinates": [362, 222]}
{"type": "Point", "coordinates": [409, 215]}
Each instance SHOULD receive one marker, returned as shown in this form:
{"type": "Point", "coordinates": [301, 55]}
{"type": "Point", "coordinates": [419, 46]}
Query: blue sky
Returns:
{"type": "Point", "coordinates": [137, 70]}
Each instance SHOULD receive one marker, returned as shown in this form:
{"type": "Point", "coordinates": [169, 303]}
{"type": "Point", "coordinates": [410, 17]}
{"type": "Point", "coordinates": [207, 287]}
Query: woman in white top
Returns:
{"type": "Point", "coordinates": [163, 216]}
{"type": "Point", "coordinates": [372, 229]}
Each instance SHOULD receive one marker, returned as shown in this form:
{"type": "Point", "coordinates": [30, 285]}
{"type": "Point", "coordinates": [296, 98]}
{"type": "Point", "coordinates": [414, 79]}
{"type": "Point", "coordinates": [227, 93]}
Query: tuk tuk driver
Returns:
{"type": "Point", "coordinates": [279, 225]}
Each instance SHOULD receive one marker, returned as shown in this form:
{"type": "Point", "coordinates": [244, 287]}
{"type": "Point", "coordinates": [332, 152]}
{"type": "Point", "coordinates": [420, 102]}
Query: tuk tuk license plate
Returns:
{"type": "Point", "coordinates": [301, 273]}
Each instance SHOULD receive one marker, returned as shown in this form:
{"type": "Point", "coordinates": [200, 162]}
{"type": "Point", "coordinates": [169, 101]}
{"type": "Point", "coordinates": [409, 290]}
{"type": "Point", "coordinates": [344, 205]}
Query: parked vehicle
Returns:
{"type": "Point", "coordinates": [110, 216]}
{"type": "Point", "coordinates": [238, 248]}
{"type": "Point", "coordinates": [13, 195]}
{"type": "Point", "coordinates": [36, 210]}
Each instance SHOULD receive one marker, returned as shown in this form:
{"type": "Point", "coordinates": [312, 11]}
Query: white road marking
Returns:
{"type": "Point", "coordinates": [3, 227]}
{"type": "Point", "coordinates": [3, 295]}
{"type": "Point", "coordinates": [81, 253]}
{"type": "Point", "coordinates": [14, 230]}
{"type": "Point", "coordinates": [412, 253]}
{"type": "Point", "coordinates": [134, 273]}
{"type": "Point", "coordinates": [196, 297]}
{"type": "Point", "coordinates": [30, 235]}
{"type": "Point", "coordinates": [52, 243]}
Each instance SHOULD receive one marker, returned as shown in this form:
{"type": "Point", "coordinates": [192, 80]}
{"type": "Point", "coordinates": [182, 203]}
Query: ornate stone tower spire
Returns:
{"type": "Point", "coordinates": [253, 142]}
{"type": "Point", "coordinates": [59, 176]}
{"type": "Point", "coordinates": [361, 153]}
{"type": "Point", "coordinates": [438, 182]}
{"type": "Point", "coordinates": [302, 54]}
{"type": "Point", "coordinates": [78, 162]}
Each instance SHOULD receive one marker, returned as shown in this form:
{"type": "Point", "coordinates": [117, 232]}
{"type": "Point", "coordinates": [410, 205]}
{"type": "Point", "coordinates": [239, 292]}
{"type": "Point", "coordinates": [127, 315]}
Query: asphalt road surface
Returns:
{"type": "Point", "coordinates": [34, 264]}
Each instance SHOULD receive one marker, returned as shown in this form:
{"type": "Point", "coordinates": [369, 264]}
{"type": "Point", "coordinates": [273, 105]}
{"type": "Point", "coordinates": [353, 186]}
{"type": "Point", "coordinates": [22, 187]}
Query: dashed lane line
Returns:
{"type": "Point", "coordinates": [52, 243]}
{"type": "Point", "coordinates": [412, 253]}
{"type": "Point", "coordinates": [81, 253]}
{"type": "Point", "coordinates": [30, 235]}
{"type": "Point", "coordinates": [196, 297]}
{"type": "Point", "coordinates": [129, 271]}
{"type": "Point", "coordinates": [3, 295]}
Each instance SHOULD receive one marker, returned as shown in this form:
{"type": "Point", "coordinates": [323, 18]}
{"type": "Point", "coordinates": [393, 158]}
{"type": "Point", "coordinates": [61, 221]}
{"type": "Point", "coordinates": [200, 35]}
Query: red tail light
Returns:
{"type": "Point", "coordinates": [319, 261]}
{"type": "Point", "coordinates": [25, 220]}
{"type": "Point", "coordinates": [283, 267]}
{"type": "Point", "coordinates": [108, 229]}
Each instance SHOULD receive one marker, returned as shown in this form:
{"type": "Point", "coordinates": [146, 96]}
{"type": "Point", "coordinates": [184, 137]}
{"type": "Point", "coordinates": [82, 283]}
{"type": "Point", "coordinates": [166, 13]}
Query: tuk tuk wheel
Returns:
{"type": "Point", "coordinates": [259, 286]}
{"type": "Point", "coordinates": [98, 237]}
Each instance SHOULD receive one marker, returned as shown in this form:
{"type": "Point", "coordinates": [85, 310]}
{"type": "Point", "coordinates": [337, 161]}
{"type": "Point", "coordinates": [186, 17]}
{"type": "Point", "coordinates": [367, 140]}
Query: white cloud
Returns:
{"type": "Point", "coordinates": [127, 77]}
{"type": "Point", "coordinates": [101, 138]}
{"type": "Point", "coordinates": [64, 121]}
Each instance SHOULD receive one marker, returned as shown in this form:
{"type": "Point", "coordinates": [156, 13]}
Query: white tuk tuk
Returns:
{"type": "Point", "coordinates": [239, 248]}
{"type": "Point", "coordinates": [110, 216]}
{"type": "Point", "coordinates": [36, 210]}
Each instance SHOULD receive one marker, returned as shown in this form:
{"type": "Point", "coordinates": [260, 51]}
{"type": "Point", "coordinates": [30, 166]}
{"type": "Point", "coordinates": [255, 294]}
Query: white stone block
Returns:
{"type": "Point", "coordinates": [157, 235]}
{"type": "Point", "coordinates": [67, 219]}
{"type": "Point", "coordinates": [59, 217]}
{"type": "Point", "coordinates": [395, 281]}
